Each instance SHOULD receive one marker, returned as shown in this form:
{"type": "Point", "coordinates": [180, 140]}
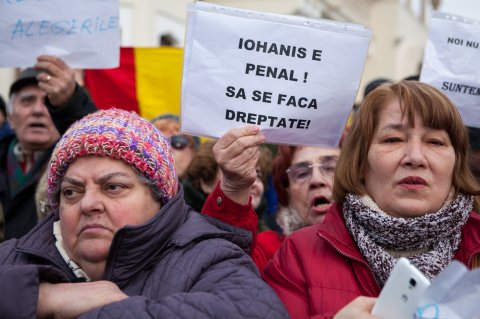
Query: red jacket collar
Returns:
{"type": "Point", "coordinates": [333, 229]}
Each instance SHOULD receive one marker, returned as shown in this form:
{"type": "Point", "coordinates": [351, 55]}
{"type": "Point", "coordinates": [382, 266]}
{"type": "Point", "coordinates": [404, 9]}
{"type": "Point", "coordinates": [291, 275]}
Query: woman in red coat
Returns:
{"type": "Point", "coordinates": [403, 188]}
{"type": "Point", "coordinates": [302, 176]}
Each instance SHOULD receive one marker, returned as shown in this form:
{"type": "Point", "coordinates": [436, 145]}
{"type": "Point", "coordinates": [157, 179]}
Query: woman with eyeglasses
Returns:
{"type": "Point", "coordinates": [303, 179]}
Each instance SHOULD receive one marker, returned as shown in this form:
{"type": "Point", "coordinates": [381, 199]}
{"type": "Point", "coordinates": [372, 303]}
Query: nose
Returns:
{"type": "Point", "coordinates": [39, 107]}
{"type": "Point", "coordinates": [91, 203]}
{"type": "Point", "coordinates": [414, 154]}
{"type": "Point", "coordinates": [318, 178]}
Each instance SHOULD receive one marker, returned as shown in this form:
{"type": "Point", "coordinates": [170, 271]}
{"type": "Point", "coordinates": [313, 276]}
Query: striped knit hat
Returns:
{"type": "Point", "coordinates": [120, 135]}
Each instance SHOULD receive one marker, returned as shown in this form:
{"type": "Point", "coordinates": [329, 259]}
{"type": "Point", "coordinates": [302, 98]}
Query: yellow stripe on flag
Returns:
{"type": "Point", "coordinates": [158, 73]}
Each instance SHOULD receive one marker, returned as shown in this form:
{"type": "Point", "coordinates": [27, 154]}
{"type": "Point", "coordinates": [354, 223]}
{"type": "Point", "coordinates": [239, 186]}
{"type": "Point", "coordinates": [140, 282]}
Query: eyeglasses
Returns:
{"type": "Point", "coordinates": [179, 142]}
{"type": "Point", "coordinates": [302, 172]}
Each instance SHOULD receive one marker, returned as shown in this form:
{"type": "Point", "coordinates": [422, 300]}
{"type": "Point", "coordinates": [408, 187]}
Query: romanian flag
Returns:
{"type": "Point", "coordinates": [148, 81]}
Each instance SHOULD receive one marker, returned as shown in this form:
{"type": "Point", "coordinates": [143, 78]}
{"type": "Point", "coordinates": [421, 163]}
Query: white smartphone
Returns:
{"type": "Point", "coordinates": [401, 294]}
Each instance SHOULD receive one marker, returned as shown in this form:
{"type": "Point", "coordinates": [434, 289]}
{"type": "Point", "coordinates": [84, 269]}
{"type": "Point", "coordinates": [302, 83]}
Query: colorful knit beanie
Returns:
{"type": "Point", "coordinates": [119, 135]}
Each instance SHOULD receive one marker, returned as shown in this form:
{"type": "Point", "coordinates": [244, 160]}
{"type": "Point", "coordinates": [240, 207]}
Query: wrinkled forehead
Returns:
{"type": "Point", "coordinates": [315, 154]}
{"type": "Point", "coordinates": [25, 96]}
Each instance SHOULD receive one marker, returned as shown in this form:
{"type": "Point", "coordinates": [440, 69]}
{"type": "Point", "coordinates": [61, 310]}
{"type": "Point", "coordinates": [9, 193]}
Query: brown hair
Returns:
{"type": "Point", "coordinates": [415, 98]}
{"type": "Point", "coordinates": [280, 163]}
{"type": "Point", "coordinates": [264, 162]}
{"type": "Point", "coordinates": [203, 166]}
{"type": "Point", "coordinates": [167, 126]}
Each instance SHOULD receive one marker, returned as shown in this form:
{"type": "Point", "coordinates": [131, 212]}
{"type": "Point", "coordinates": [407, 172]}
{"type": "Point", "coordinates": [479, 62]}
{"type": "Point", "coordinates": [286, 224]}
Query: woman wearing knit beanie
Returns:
{"type": "Point", "coordinates": [122, 243]}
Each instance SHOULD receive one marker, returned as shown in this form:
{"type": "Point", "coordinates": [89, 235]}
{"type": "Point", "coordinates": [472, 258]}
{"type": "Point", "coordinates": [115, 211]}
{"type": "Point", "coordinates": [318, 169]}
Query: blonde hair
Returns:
{"type": "Point", "coordinates": [168, 127]}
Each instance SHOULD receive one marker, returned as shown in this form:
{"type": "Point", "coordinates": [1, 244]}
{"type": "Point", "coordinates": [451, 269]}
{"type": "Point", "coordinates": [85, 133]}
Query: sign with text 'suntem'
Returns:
{"type": "Point", "coordinates": [452, 62]}
{"type": "Point", "coordinates": [296, 78]}
{"type": "Point", "coordinates": [84, 33]}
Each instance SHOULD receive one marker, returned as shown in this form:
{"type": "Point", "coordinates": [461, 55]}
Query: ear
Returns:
{"type": "Point", "coordinates": [206, 188]}
{"type": "Point", "coordinates": [10, 120]}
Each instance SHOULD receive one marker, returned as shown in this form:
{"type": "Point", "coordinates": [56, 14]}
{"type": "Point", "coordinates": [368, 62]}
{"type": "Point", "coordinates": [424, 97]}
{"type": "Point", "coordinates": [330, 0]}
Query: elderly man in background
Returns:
{"type": "Point", "coordinates": [43, 102]}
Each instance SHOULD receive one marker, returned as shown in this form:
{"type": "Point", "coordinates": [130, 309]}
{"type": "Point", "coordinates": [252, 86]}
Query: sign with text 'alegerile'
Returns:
{"type": "Point", "coordinates": [84, 33]}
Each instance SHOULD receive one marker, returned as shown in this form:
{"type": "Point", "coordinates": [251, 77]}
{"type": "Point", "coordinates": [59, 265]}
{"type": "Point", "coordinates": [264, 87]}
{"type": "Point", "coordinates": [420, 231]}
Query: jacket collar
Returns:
{"type": "Point", "coordinates": [333, 229]}
{"type": "Point", "coordinates": [135, 248]}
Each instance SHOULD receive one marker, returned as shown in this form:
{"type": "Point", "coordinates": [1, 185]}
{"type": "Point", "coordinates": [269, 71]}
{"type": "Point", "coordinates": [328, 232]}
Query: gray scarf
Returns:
{"type": "Point", "coordinates": [438, 234]}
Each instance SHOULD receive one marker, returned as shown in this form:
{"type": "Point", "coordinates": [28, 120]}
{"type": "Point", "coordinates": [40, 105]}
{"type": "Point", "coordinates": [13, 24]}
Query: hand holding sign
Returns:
{"type": "Point", "coordinates": [296, 78]}
{"type": "Point", "coordinates": [236, 152]}
{"type": "Point", "coordinates": [58, 80]}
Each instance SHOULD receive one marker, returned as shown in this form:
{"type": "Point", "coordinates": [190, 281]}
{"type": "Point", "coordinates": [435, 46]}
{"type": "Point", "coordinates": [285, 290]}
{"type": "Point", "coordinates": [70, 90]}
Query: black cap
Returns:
{"type": "Point", "coordinates": [372, 85]}
{"type": "Point", "coordinates": [26, 77]}
{"type": "Point", "coordinates": [412, 78]}
{"type": "Point", "coordinates": [474, 137]}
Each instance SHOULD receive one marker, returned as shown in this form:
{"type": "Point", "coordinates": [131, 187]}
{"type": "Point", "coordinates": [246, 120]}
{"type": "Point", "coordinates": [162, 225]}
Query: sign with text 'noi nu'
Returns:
{"type": "Point", "coordinates": [452, 63]}
{"type": "Point", "coordinates": [296, 78]}
{"type": "Point", "coordinates": [84, 33]}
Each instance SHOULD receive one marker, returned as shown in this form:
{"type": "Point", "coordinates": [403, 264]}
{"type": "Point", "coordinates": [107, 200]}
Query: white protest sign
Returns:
{"type": "Point", "coordinates": [84, 33]}
{"type": "Point", "coordinates": [452, 63]}
{"type": "Point", "coordinates": [294, 77]}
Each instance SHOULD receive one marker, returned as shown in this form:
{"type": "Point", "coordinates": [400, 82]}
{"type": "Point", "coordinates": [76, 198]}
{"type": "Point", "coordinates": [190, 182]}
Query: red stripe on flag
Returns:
{"type": "Point", "coordinates": [115, 87]}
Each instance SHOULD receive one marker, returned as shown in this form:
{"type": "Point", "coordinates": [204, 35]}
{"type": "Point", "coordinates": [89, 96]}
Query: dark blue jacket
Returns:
{"type": "Point", "coordinates": [20, 211]}
{"type": "Point", "coordinates": [179, 264]}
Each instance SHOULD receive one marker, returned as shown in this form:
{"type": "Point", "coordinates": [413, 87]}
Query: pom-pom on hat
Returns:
{"type": "Point", "coordinates": [121, 135]}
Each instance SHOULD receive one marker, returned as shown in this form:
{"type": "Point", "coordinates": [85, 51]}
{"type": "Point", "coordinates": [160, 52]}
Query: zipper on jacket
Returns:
{"type": "Point", "coordinates": [353, 258]}
{"type": "Point", "coordinates": [47, 258]}
{"type": "Point", "coordinates": [469, 259]}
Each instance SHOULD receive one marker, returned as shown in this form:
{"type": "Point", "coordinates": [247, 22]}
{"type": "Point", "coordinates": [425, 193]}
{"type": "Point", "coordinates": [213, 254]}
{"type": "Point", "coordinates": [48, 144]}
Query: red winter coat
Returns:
{"type": "Point", "coordinates": [264, 245]}
{"type": "Point", "coordinates": [319, 269]}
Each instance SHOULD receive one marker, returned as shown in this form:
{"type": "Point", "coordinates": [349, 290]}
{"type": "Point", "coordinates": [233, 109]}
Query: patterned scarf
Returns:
{"type": "Point", "coordinates": [375, 232]}
{"type": "Point", "coordinates": [18, 174]}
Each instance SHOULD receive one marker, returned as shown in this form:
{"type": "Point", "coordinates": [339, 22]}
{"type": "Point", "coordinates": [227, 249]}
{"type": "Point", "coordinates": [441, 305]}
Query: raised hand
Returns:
{"type": "Point", "coordinates": [236, 152]}
{"type": "Point", "coordinates": [57, 79]}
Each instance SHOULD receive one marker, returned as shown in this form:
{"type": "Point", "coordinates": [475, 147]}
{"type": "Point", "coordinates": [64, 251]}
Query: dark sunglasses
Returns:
{"type": "Point", "coordinates": [179, 142]}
